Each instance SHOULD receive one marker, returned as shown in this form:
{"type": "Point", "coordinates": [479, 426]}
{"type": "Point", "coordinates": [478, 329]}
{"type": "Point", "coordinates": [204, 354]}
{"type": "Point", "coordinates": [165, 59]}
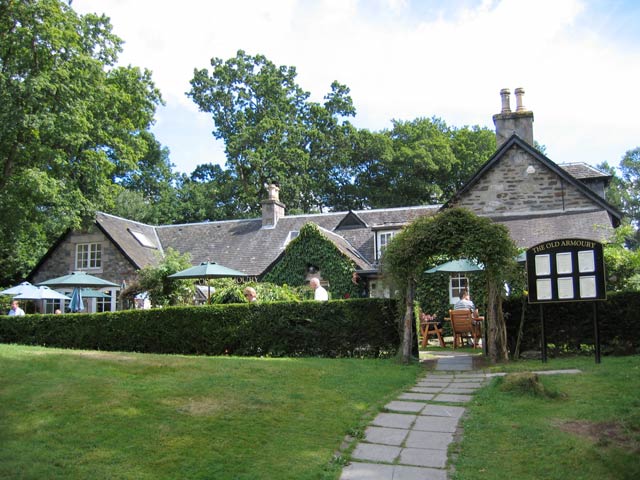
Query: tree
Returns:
{"type": "Point", "coordinates": [271, 131]}
{"type": "Point", "coordinates": [623, 193]}
{"type": "Point", "coordinates": [456, 233]}
{"type": "Point", "coordinates": [71, 121]}
{"type": "Point", "coordinates": [422, 161]}
{"type": "Point", "coordinates": [164, 291]}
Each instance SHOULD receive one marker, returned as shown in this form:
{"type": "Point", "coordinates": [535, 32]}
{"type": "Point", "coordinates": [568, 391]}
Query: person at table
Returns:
{"type": "Point", "coordinates": [320, 293]}
{"type": "Point", "coordinates": [250, 294]}
{"type": "Point", "coordinates": [15, 309]}
{"type": "Point", "coordinates": [465, 303]}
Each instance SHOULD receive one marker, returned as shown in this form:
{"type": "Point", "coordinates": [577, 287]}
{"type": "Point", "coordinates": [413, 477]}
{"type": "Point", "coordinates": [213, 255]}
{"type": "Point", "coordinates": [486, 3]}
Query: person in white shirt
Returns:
{"type": "Point", "coordinates": [320, 293]}
{"type": "Point", "coordinates": [15, 309]}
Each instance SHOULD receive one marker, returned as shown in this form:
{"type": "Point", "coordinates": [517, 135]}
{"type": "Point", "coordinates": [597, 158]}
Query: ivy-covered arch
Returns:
{"type": "Point", "coordinates": [311, 247]}
{"type": "Point", "coordinates": [455, 233]}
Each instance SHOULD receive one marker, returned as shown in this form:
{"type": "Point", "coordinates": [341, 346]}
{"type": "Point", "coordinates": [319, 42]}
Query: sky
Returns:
{"type": "Point", "coordinates": [577, 60]}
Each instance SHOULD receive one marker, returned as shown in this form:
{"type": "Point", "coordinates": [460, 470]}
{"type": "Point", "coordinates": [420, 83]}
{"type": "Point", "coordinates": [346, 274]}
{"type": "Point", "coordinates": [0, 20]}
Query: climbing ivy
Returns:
{"type": "Point", "coordinates": [454, 233]}
{"type": "Point", "coordinates": [312, 249]}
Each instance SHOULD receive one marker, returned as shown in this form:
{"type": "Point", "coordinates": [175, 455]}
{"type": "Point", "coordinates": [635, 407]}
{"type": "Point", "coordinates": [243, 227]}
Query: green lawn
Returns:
{"type": "Point", "coordinates": [78, 414]}
{"type": "Point", "coordinates": [590, 428]}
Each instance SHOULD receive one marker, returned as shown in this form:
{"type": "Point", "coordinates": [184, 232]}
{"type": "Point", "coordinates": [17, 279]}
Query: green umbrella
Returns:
{"type": "Point", "coordinates": [78, 279]}
{"type": "Point", "coordinates": [462, 265]}
{"type": "Point", "coordinates": [207, 270]}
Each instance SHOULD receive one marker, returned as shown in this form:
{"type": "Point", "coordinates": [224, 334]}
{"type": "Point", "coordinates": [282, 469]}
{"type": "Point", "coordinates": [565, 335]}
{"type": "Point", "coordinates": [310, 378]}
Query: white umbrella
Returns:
{"type": "Point", "coordinates": [41, 293]}
{"type": "Point", "coordinates": [24, 287]}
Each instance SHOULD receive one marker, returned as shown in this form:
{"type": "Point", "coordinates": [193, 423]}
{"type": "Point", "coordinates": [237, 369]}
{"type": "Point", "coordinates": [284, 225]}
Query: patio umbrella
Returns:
{"type": "Point", "coordinates": [41, 293]}
{"type": "Point", "coordinates": [207, 270]}
{"type": "Point", "coordinates": [91, 293]}
{"type": "Point", "coordinates": [462, 265]}
{"type": "Point", "coordinates": [76, 304]}
{"type": "Point", "coordinates": [24, 287]}
{"type": "Point", "coordinates": [78, 279]}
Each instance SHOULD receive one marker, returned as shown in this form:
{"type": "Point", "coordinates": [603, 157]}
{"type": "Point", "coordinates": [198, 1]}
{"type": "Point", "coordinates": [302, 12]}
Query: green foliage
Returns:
{"type": "Point", "coordinates": [229, 291]}
{"type": "Point", "coordinates": [453, 233]}
{"type": "Point", "coordinates": [569, 326]}
{"type": "Point", "coordinates": [312, 249]}
{"type": "Point", "coordinates": [343, 328]}
{"type": "Point", "coordinates": [417, 162]}
{"type": "Point", "coordinates": [164, 291]}
{"type": "Point", "coordinates": [622, 264]}
{"type": "Point", "coordinates": [71, 122]}
{"type": "Point", "coordinates": [271, 131]}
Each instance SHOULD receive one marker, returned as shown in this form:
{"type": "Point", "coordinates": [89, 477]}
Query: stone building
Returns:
{"type": "Point", "coordinates": [535, 198]}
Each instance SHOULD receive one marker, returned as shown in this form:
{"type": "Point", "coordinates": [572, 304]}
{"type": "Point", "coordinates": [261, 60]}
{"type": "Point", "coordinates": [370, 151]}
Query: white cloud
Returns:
{"type": "Point", "coordinates": [401, 61]}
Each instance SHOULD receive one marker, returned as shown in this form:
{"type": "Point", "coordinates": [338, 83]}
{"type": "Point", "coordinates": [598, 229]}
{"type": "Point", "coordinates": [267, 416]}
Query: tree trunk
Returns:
{"type": "Point", "coordinates": [408, 322]}
{"type": "Point", "coordinates": [497, 330]}
{"type": "Point", "coordinates": [516, 353]}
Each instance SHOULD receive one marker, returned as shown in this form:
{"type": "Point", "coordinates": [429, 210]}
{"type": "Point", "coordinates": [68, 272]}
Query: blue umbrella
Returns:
{"type": "Point", "coordinates": [76, 304]}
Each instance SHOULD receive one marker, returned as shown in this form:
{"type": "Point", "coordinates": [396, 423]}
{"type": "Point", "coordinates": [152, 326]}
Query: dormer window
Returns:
{"type": "Point", "coordinates": [383, 237]}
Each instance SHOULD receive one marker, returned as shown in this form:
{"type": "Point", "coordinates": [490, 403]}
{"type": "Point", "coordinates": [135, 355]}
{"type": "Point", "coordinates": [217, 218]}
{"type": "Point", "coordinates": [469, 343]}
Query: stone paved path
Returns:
{"type": "Point", "coordinates": [409, 440]}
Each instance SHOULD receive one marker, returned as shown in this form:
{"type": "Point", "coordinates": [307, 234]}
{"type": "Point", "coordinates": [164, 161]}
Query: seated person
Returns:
{"type": "Point", "coordinates": [465, 303]}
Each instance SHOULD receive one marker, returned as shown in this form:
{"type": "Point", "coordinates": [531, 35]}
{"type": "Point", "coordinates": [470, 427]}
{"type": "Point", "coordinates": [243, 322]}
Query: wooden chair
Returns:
{"type": "Point", "coordinates": [430, 328]}
{"type": "Point", "coordinates": [464, 327]}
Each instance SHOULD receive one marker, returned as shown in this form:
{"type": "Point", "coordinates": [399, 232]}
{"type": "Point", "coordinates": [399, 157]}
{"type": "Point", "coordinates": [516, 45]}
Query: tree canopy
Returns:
{"type": "Point", "coordinates": [71, 123]}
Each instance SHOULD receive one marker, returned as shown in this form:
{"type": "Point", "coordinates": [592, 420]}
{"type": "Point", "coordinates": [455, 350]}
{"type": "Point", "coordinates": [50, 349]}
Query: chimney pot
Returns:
{"type": "Point", "coordinates": [272, 207]}
{"type": "Point", "coordinates": [519, 105]}
{"type": "Point", "coordinates": [505, 94]}
{"type": "Point", "coordinates": [273, 192]}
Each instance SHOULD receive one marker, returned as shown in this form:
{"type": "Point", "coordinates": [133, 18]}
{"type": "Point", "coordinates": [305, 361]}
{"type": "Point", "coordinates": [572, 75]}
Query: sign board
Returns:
{"type": "Point", "coordinates": [566, 270]}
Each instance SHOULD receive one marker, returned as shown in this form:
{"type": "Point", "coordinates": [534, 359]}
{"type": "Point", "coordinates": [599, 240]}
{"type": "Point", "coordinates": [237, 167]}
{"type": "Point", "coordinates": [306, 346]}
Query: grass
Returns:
{"type": "Point", "coordinates": [80, 414]}
{"type": "Point", "coordinates": [577, 427]}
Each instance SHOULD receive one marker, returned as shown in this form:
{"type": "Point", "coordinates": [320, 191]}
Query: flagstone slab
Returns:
{"type": "Point", "coordinates": [427, 389]}
{"type": "Point", "coordinates": [402, 472]}
{"type": "Point", "coordinates": [429, 440]}
{"type": "Point", "coordinates": [436, 424]}
{"type": "Point", "coordinates": [443, 411]}
{"type": "Point", "coordinates": [459, 391]}
{"type": "Point", "coordinates": [400, 406]}
{"type": "Point", "coordinates": [423, 457]}
{"type": "Point", "coordinates": [385, 435]}
{"type": "Point", "coordinates": [416, 396]}
{"type": "Point", "coordinates": [453, 398]}
{"type": "Point", "coordinates": [367, 471]}
{"type": "Point", "coordinates": [375, 452]}
{"type": "Point", "coordinates": [394, 420]}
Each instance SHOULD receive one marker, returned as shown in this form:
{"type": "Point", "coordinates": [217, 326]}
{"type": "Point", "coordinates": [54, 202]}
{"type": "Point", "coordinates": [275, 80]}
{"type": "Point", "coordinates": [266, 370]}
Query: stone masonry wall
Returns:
{"type": "Point", "coordinates": [520, 184]}
{"type": "Point", "coordinates": [115, 267]}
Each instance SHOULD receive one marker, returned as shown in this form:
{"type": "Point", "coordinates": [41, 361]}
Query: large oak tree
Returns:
{"type": "Point", "coordinates": [70, 123]}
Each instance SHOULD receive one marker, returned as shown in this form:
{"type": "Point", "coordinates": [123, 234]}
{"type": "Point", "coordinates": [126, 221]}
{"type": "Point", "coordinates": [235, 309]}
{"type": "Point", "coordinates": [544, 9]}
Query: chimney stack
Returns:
{"type": "Point", "coordinates": [519, 122]}
{"type": "Point", "coordinates": [272, 207]}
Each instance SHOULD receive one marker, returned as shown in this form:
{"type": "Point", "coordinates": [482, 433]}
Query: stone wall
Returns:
{"type": "Point", "coordinates": [520, 184]}
{"type": "Point", "coordinates": [115, 267]}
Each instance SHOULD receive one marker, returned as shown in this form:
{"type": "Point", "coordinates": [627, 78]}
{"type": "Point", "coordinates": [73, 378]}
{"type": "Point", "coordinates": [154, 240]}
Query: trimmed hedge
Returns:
{"type": "Point", "coordinates": [569, 326]}
{"type": "Point", "coordinates": [342, 328]}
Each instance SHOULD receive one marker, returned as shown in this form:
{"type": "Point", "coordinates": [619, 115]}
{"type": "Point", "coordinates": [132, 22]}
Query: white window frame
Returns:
{"type": "Point", "coordinates": [88, 256]}
{"type": "Point", "coordinates": [457, 282]}
{"type": "Point", "coordinates": [103, 304]}
{"type": "Point", "coordinates": [383, 237]}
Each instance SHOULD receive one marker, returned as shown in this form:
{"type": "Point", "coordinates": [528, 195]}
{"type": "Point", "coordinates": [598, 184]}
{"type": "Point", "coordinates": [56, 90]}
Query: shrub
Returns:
{"type": "Point", "coordinates": [569, 326]}
{"type": "Point", "coordinates": [343, 328]}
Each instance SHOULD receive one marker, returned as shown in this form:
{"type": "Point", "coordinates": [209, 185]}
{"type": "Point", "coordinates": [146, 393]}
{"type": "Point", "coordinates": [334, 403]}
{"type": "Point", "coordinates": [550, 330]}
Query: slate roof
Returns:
{"type": "Point", "coordinates": [119, 230]}
{"type": "Point", "coordinates": [530, 230]}
{"type": "Point", "coordinates": [244, 245]}
{"type": "Point", "coordinates": [582, 171]}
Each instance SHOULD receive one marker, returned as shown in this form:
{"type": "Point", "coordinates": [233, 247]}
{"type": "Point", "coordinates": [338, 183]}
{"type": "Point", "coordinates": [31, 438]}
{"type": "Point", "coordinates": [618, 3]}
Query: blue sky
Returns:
{"type": "Point", "coordinates": [578, 61]}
